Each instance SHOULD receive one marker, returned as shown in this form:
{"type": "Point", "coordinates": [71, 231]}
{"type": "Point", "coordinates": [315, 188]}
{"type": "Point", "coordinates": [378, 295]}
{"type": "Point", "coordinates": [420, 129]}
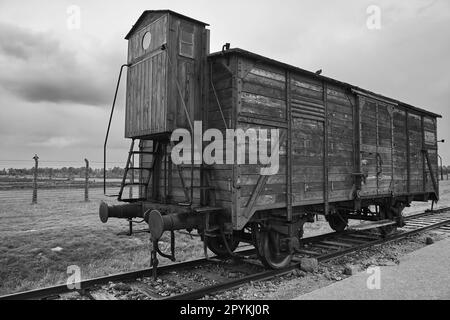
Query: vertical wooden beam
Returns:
{"type": "Point", "coordinates": [325, 150]}
{"type": "Point", "coordinates": [204, 80]}
{"type": "Point", "coordinates": [236, 80]}
{"type": "Point", "coordinates": [392, 151]}
{"type": "Point", "coordinates": [424, 172]}
{"type": "Point", "coordinates": [437, 153]}
{"type": "Point", "coordinates": [408, 154]}
{"type": "Point", "coordinates": [430, 168]}
{"type": "Point", "coordinates": [377, 143]}
{"type": "Point", "coordinates": [357, 134]}
{"type": "Point", "coordinates": [289, 147]}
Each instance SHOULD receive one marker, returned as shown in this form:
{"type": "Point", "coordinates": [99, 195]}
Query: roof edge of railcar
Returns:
{"type": "Point", "coordinates": [163, 11]}
{"type": "Point", "coordinates": [283, 65]}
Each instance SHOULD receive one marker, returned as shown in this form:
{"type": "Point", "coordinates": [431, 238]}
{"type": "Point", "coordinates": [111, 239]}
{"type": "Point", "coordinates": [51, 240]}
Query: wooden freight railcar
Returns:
{"type": "Point", "coordinates": [345, 152]}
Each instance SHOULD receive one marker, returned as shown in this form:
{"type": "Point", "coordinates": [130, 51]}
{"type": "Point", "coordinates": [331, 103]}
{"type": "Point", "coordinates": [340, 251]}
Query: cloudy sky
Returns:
{"type": "Point", "coordinates": [57, 83]}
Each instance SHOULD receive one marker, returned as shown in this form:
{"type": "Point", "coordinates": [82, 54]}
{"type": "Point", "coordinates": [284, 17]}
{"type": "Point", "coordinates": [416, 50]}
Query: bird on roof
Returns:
{"type": "Point", "coordinates": [319, 72]}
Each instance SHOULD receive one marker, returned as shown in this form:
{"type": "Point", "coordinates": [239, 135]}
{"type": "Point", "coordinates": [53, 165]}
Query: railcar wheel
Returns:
{"type": "Point", "coordinates": [269, 250]}
{"type": "Point", "coordinates": [218, 247]}
{"type": "Point", "coordinates": [337, 223]}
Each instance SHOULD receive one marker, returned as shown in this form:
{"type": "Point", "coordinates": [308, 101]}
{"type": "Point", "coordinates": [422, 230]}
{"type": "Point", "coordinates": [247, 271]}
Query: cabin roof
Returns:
{"type": "Point", "coordinates": [248, 54]}
{"type": "Point", "coordinates": [146, 12]}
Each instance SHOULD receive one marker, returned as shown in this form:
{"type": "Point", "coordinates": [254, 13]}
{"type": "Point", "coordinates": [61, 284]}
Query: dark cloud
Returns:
{"type": "Point", "coordinates": [407, 59]}
{"type": "Point", "coordinates": [58, 88]}
{"type": "Point", "coordinates": [37, 68]}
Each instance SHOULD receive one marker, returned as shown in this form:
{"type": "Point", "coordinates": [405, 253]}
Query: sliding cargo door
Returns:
{"type": "Point", "coordinates": [308, 158]}
{"type": "Point", "coordinates": [376, 134]}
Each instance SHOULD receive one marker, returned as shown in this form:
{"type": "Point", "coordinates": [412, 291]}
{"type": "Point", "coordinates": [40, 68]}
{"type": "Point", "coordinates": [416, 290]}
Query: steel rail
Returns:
{"type": "Point", "coordinates": [269, 274]}
{"type": "Point", "coordinates": [85, 285]}
{"type": "Point", "coordinates": [49, 292]}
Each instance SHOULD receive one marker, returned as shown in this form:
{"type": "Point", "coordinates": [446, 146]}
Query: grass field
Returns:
{"type": "Point", "coordinates": [28, 233]}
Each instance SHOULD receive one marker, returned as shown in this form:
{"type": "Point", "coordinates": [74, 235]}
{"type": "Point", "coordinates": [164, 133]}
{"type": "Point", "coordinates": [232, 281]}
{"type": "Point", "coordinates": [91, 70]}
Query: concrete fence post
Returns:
{"type": "Point", "coordinates": [132, 177]}
{"type": "Point", "coordinates": [36, 158]}
{"type": "Point", "coordinates": [86, 181]}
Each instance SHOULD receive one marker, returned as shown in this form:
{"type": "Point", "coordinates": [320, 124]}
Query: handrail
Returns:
{"type": "Point", "coordinates": [109, 126]}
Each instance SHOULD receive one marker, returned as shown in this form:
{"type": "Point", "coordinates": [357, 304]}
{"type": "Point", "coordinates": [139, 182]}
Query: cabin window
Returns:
{"type": "Point", "coordinates": [146, 40]}
{"type": "Point", "coordinates": [186, 43]}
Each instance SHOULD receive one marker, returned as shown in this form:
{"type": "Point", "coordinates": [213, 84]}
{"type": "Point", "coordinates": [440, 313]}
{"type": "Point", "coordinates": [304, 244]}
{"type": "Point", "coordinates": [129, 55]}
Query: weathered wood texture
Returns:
{"type": "Point", "coordinates": [262, 104]}
{"type": "Point", "coordinates": [164, 85]}
{"type": "Point", "coordinates": [146, 81]}
{"type": "Point", "coordinates": [376, 120]}
{"type": "Point", "coordinates": [393, 149]}
{"type": "Point", "coordinates": [220, 115]}
{"type": "Point", "coordinates": [325, 153]}
{"type": "Point", "coordinates": [185, 73]}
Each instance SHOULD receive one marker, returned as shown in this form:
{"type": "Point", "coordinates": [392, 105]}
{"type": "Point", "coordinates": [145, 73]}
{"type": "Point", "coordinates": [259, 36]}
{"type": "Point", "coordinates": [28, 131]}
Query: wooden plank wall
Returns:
{"type": "Point", "coordinates": [145, 112]}
{"type": "Point", "coordinates": [254, 94]}
{"type": "Point", "coordinates": [385, 178]}
{"type": "Point", "coordinates": [187, 72]}
{"type": "Point", "coordinates": [262, 104]}
{"type": "Point", "coordinates": [398, 136]}
{"type": "Point", "coordinates": [377, 141]}
{"type": "Point", "coordinates": [146, 82]}
{"type": "Point", "coordinates": [416, 157]}
{"type": "Point", "coordinates": [341, 109]}
{"type": "Point", "coordinates": [155, 104]}
{"type": "Point", "coordinates": [221, 176]}
{"type": "Point", "coordinates": [400, 154]}
{"type": "Point", "coordinates": [156, 78]}
{"type": "Point", "coordinates": [158, 30]}
{"type": "Point", "coordinates": [430, 144]}
{"type": "Point", "coordinates": [169, 191]}
{"type": "Point", "coordinates": [308, 117]}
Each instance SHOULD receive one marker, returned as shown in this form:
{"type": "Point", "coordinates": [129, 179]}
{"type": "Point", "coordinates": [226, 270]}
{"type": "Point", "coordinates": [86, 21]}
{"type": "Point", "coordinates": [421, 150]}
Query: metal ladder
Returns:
{"type": "Point", "coordinates": [128, 168]}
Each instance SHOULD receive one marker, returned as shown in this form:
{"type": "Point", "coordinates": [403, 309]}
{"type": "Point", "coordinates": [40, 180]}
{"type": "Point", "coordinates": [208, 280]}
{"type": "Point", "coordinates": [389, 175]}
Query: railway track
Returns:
{"type": "Point", "coordinates": [324, 248]}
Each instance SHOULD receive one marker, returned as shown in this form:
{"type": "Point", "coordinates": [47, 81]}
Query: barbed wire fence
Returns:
{"type": "Point", "coordinates": [40, 181]}
{"type": "Point", "coordinates": [44, 180]}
